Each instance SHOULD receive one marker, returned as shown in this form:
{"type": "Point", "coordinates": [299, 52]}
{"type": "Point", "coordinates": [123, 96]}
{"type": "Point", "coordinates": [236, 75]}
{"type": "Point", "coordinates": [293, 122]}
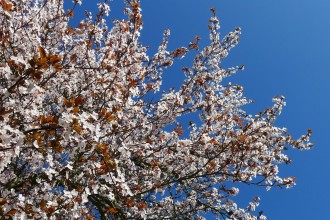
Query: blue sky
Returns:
{"type": "Point", "coordinates": [285, 48]}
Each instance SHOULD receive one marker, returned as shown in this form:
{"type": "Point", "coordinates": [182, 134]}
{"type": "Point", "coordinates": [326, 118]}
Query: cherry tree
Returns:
{"type": "Point", "coordinates": [86, 131]}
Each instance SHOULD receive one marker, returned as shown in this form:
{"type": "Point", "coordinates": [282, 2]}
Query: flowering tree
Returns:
{"type": "Point", "coordinates": [84, 136]}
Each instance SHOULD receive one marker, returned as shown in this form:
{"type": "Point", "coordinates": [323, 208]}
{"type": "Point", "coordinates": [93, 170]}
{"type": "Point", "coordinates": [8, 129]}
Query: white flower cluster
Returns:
{"type": "Point", "coordinates": [86, 133]}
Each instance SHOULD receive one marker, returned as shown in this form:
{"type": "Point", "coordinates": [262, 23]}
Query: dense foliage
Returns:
{"type": "Point", "coordinates": [86, 132]}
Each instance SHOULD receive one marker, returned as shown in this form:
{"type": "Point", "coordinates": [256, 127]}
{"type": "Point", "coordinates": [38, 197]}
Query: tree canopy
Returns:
{"type": "Point", "coordinates": [87, 131]}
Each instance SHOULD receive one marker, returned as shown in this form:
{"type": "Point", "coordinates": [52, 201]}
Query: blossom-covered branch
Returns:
{"type": "Point", "coordinates": [81, 137]}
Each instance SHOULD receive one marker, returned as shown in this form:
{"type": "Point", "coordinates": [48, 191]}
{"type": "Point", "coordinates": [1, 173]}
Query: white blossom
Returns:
{"type": "Point", "coordinates": [88, 129]}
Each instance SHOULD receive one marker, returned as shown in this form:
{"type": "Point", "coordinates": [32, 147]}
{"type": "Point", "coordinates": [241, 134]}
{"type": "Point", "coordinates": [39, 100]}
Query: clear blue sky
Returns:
{"type": "Point", "coordinates": [285, 47]}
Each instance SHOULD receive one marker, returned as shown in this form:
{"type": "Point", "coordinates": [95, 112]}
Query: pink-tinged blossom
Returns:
{"type": "Point", "coordinates": [87, 132]}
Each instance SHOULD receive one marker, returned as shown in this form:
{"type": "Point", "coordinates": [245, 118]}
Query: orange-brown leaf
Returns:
{"type": "Point", "coordinates": [58, 67]}
{"type": "Point", "coordinates": [75, 110]}
{"type": "Point", "coordinates": [242, 138]}
{"type": "Point", "coordinates": [54, 59]}
{"type": "Point", "coordinates": [37, 75]}
{"type": "Point", "coordinates": [6, 6]}
{"type": "Point", "coordinates": [51, 209]}
{"type": "Point", "coordinates": [78, 199]}
{"type": "Point", "coordinates": [3, 201]}
{"type": "Point", "coordinates": [109, 117]}
{"type": "Point", "coordinates": [12, 212]}
{"type": "Point", "coordinates": [67, 103]}
{"type": "Point", "coordinates": [102, 147]}
{"type": "Point", "coordinates": [179, 130]}
{"type": "Point", "coordinates": [142, 206]}
{"type": "Point", "coordinates": [138, 187]}
{"type": "Point", "coordinates": [73, 58]}
{"type": "Point", "coordinates": [78, 101]}
{"type": "Point", "coordinates": [113, 210]}
{"type": "Point", "coordinates": [78, 129]}
{"type": "Point", "coordinates": [89, 44]}
{"type": "Point", "coordinates": [154, 163]}
{"type": "Point", "coordinates": [129, 203]}
{"type": "Point", "coordinates": [43, 204]}
{"type": "Point", "coordinates": [70, 13]}
{"type": "Point", "coordinates": [213, 141]}
{"type": "Point", "coordinates": [42, 52]}
{"type": "Point", "coordinates": [102, 112]}
{"type": "Point", "coordinates": [134, 5]}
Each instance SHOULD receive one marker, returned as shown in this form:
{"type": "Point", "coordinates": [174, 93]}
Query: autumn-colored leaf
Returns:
{"type": "Point", "coordinates": [51, 209]}
{"type": "Point", "coordinates": [42, 62]}
{"type": "Point", "coordinates": [58, 67]}
{"type": "Point", "coordinates": [149, 86]}
{"type": "Point", "coordinates": [28, 208]}
{"type": "Point", "coordinates": [36, 135]}
{"type": "Point", "coordinates": [3, 111]}
{"type": "Point", "coordinates": [69, 206]}
{"type": "Point", "coordinates": [70, 13]}
{"type": "Point", "coordinates": [102, 112]}
{"type": "Point", "coordinates": [58, 148]}
{"type": "Point", "coordinates": [193, 45]}
{"type": "Point", "coordinates": [12, 212]}
{"type": "Point", "coordinates": [43, 204]}
{"type": "Point", "coordinates": [109, 116]}
{"type": "Point", "coordinates": [37, 75]}
{"type": "Point", "coordinates": [79, 100]}
{"type": "Point", "coordinates": [89, 44]}
{"type": "Point", "coordinates": [78, 199]}
{"type": "Point", "coordinates": [102, 147]}
{"type": "Point", "coordinates": [179, 52]}
{"type": "Point", "coordinates": [149, 140]}
{"type": "Point", "coordinates": [6, 6]}
{"type": "Point", "coordinates": [238, 120]}
{"type": "Point", "coordinates": [212, 163]}
{"type": "Point", "coordinates": [78, 129]}
{"type": "Point", "coordinates": [134, 5]}
{"type": "Point", "coordinates": [179, 130]}
{"type": "Point", "coordinates": [242, 138]}
{"type": "Point", "coordinates": [213, 141]}
{"type": "Point", "coordinates": [42, 120]}
{"type": "Point", "coordinates": [154, 163]}
{"type": "Point", "coordinates": [209, 170]}
{"type": "Point", "coordinates": [129, 203]}
{"type": "Point", "coordinates": [75, 110]}
{"type": "Point", "coordinates": [67, 102]}
{"type": "Point", "coordinates": [133, 83]}
{"type": "Point", "coordinates": [54, 59]}
{"type": "Point", "coordinates": [3, 201]}
{"type": "Point", "coordinates": [59, 200]}
{"type": "Point", "coordinates": [200, 80]}
{"type": "Point", "coordinates": [73, 58]}
{"type": "Point", "coordinates": [113, 210]}
{"type": "Point", "coordinates": [42, 52]}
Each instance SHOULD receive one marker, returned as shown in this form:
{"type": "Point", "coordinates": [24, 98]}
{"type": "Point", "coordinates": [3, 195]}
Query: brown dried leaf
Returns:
{"type": "Point", "coordinates": [42, 52]}
{"type": "Point", "coordinates": [43, 204]}
{"type": "Point", "coordinates": [179, 130]}
{"type": "Point", "coordinates": [12, 212]}
{"type": "Point", "coordinates": [54, 59]}
{"type": "Point", "coordinates": [3, 201]}
{"type": "Point", "coordinates": [6, 6]}
{"type": "Point", "coordinates": [75, 110]}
